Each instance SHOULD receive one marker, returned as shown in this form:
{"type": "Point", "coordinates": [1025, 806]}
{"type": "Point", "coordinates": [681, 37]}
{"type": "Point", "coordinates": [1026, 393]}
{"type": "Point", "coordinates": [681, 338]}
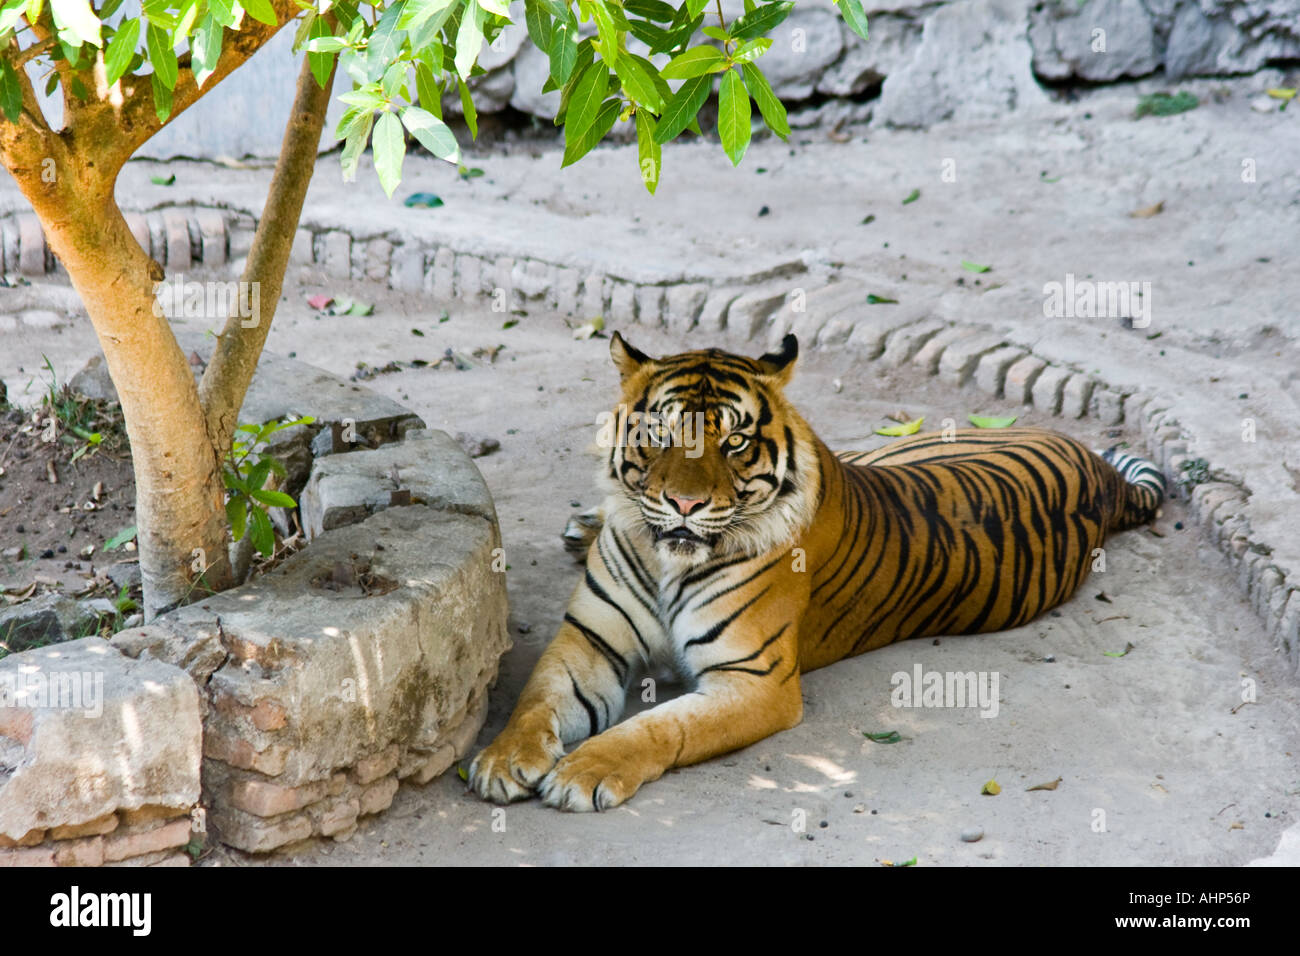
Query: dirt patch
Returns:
{"type": "Point", "coordinates": [66, 491]}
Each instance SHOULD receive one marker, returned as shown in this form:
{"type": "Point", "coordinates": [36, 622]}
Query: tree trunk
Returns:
{"type": "Point", "coordinates": [180, 510]}
{"type": "Point", "coordinates": [178, 440]}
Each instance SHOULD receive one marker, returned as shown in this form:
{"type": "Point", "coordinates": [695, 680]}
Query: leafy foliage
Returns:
{"type": "Point", "coordinates": [404, 57]}
{"type": "Point", "coordinates": [245, 473]}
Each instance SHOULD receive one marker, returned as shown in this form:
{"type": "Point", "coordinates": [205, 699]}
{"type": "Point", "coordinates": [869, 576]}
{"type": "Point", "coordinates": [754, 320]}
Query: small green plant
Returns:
{"type": "Point", "coordinates": [78, 414]}
{"type": "Point", "coordinates": [247, 468]}
{"type": "Point", "coordinates": [1165, 104]}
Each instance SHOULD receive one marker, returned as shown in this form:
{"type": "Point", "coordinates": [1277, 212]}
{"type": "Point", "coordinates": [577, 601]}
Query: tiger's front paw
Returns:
{"type": "Point", "coordinates": [594, 777]}
{"type": "Point", "coordinates": [510, 767]}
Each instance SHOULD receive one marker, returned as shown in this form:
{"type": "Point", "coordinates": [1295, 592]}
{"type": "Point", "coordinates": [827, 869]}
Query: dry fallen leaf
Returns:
{"type": "Point", "coordinates": [1051, 785]}
{"type": "Point", "coordinates": [1237, 825]}
{"type": "Point", "coordinates": [1146, 212]}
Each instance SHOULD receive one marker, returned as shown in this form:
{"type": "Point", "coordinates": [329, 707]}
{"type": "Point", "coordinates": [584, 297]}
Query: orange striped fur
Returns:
{"type": "Point", "coordinates": [766, 555]}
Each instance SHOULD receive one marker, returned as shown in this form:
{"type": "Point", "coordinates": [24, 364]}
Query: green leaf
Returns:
{"type": "Point", "coordinates": [1163, 104]}
{"type": "Point", "coordinates": [608, 33]}
{"type": "Point", "coordinates": [321, 61]}
{"type": "Point", "coordinates": [694, 62]}
{"type": "Point", "coordinates": [416, 12]}
{"type": "Point", "coordinates": [585, 103]}
{"type": "Point", "coordinates": [205, 48]}
{"type": "Point", "coordinates": [431, 133]}
{"type": "Point", "coordinates": [637, 83]}
{"type": "Point", "coordinates": [1127, 647]}
{"type": "Point", "coordinates": [500, 7]}
{"type": "Point", "coordinates": [163, 180]}
{"type": "Point", "coordinates": [257, 475]}
{"type": "Point", "coordinates": [733, 117]}
{"type": "Point", "coordinates": [467, 109]}
{"type": "Point", "coordinates": [326, 43]}
{"type": "Point", "coordinates": [907, 428]}
{"type": "Point", "coordinates": [717, 33]}
{"type": "Point", "coordinates": [651, 10]}
{"type": "Point", "coordinates": [752, 50]}
{"type": "Point", "coordinates": [980, 421]}
{"type": "Point", "coordinates": [384, 42]}
{"type": "Point", "coordinates": [854, 16]}
{"type": "Point", "coordinates": [274, 499]}
{"type": "Point", "coordinates": [393, 83]}
{"type": "Point", "coordinates": [162, 98]}
{"type": "Point", "coordinates": [974, 266]}
{"type": "Point", "coordinates": [78, 19]}
{"type": "Point", "coordinates": [575, 150]}
{"type": "Point", "coordinates": [10, 15]}
{"type": "Point", "coordinates": [761, 21]}
{"type": "Point", "coordinates": [223, 11]}
{"type": "Point", "coordinates": [422, 201]}
{"type": "Point", "coordinates": [163, 58]}
{"type": "Point", "coordinates": [563, 50]}
{"type": "Point", "coordinates": [681, 109]}
{"type": "Point", "coordinates": [649, 152]}
{"type": "Point", "coordinates": [260, 10]}
{"type": "Point", "coordinates": [884, 737]}
{"type": "Point", "coordinates": [121, 538]}
{"type": "Point", "coordinates": [389, 146]}
{"type": "Point", "coordinates": [358, 135]}
{"type": "Point", "coordinates": [911, 197]}
{"type": "Point", "coordinates": [11, 93]}
{"type": "Point", "coordinates": [262, 532]}
{"type": "Point", "coordinates": [873, 299]}
{"type": "Point", "coordinates": [772, 109]}
{"type": "Point", "coordinates": [538, 21]}
{"type": "Point", "coordinates": [237, 515]}
{"type": "Point", "coordinates": [469, 39]}
{"type": "Point", "coordinates": [427, 91]}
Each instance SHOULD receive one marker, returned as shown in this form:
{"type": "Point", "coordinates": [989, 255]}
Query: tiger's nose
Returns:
{"type": "Point", "coordinates": [686, 506]}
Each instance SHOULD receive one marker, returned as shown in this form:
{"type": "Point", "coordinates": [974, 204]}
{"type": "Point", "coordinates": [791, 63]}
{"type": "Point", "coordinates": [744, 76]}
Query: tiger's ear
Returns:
{"type": "Point", "coordinates": [780, 365]}
{"type": "Point", "coordinates": [627, 358]}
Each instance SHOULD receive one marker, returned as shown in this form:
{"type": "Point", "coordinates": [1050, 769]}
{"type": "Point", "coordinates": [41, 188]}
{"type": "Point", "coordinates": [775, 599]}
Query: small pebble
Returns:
{"type": "Point", "coordinates": [20, 529]}
{"type": "Point", "coordinates": [809, 836]}
{"type": "Point", "coordinates": [575, 503]}
{"type": "Point", "coordinates": [860, 808]}
{"type": "Point", "coordinates": [523, 628]}
{"type": "Point", "coordinates": [764, 211]}
{"type": "Point", "coordinates": [848, 793]}
{"type": "Point", "coordinates": [823, 824]}
{"type": "Point", "coordinates": [47, 553]}
{"type": "Point", "coordinates": [1178, 526]}
{"type": "Point", "coordinates": [1049, 659]}
{"type": "Point", "coordinates": [973, 835]}
{"type": "Point", "coordinates": [873, 813]}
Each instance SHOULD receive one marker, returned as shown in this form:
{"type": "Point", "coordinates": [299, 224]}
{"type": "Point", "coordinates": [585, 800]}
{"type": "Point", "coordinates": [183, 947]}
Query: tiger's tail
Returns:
{"type": "Point", "coordinates": [1144, 488]}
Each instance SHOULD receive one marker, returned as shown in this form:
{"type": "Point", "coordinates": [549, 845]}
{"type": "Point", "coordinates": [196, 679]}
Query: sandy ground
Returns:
{"type": "Point", "coordinates": [1148, 740]}
{"type": "Point", "coordinates": [1146, 744]}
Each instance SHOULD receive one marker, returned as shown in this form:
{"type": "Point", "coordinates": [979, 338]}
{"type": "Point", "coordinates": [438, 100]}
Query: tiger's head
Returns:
{"type": "Point", "coordinates": [706, 455]}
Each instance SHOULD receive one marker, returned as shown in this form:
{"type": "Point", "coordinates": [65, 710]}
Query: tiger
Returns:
{"type": "Point", "coordinates": [742, 553]}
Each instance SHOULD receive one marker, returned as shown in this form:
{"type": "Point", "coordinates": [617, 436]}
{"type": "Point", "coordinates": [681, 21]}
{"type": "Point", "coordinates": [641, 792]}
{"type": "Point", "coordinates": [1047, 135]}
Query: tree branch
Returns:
{"type": "Point", "coordinates": [112, 128]}
{"type": "Point", "coordinates": [25, 143]}
{"type": "Point", "coordinates": [239, 346]}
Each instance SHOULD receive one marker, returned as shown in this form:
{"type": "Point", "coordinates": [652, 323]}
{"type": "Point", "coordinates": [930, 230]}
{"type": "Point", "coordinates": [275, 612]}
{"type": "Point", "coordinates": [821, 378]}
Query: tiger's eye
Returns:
{"type": "Point", "coordinates": [736, 440]}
